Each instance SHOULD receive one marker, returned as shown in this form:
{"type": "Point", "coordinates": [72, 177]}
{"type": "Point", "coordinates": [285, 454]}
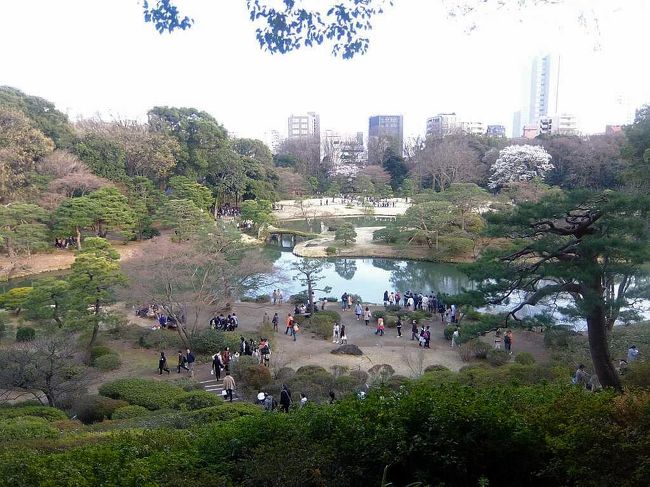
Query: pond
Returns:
{"type": "Point", "coordinates": [370, 277]}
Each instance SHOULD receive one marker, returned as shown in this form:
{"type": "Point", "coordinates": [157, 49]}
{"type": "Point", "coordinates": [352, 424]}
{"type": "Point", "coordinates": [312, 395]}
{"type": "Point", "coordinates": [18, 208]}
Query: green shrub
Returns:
{"type": "Point", "coordinates": [151, 394]}
{"type": "Point", "coordinates": [360, 376]}
{"type": "Point", "coordinates": [108, 362]}
{"type": "Point", "coordinates": [3, 324]}
{"type": "Point", "coordinates": [313, 380]}
{"type": "Point", "coordinates": [27, 427]}
{"type": "Point", "coordinates": [332, 316]}
{"type": "Point", "coordinates": [393, 308]}
{"type": "Point", "coordinates": [91, 409]}
{"type": "Point", "coordinates": [320, 325]}
{"type": "Point", "coordinates": [25, 334]}
{"type": "Point", "coordinates": [187, 384]}
{"type": "Point", "coordinates": [15, 298]}
{"type": "Point", "coordinates": [637, 375]}
{"type": "Point", "coordinates": [379, 314]}
{"type": "Point", "coordinates": [97, 352]}
{"type": "Point", "coordinates": [498, 357]}
{"type": "Point", "coordinates": [196, 400]}
{"type": "Point", "coordinates": [128, 412]}
{"type": "Point", "coordinates": [160, 339]}
{"type": "Point", "coordinates": [208, 341]}
{"type": "Point", "coordinates": [449, 331]}
{"type": "Point", "coordinates": [224, 412]}
{"type": "Point", "coordinates": [558, 336]}
{"type": "Point", "coordinates": [345, 384]}
{"type": "Point", "coordinates": [525, 358]}
{"type": "Point", "coordinates": [45, 412]}
{"type": "Point", "coordinates": [436, 368]}
{"type": "Point", "coordinates": [250, 374]}
{"type": "Point", "coordinates": [260, 298]}
{"type": "Point", "coordinates": [330, 250]}
{"type": "Point", "coordinates": [473, 349]}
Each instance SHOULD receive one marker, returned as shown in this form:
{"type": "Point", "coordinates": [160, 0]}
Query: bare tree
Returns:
{"type": "Point", "coordinates": [192, 280]}
{"type": "Point", "coordinates": [448, 160]}
{"type": "Point", "coordinates": [47, 369]}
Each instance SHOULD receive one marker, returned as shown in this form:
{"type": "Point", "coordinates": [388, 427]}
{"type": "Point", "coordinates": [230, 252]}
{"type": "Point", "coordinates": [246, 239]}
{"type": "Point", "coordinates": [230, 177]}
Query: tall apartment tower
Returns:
{"type": "Point", "coordinates": [384, 132]}
{"type": "Point", "coordinates": [541, 93]}
{"type": "Point", "coordinates": [304, 125]}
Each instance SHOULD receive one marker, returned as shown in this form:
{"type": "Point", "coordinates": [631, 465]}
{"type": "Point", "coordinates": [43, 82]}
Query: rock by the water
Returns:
{"type": "Point", "coordinates": [348, 350]}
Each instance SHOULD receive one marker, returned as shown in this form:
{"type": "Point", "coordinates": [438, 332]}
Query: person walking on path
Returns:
{"type": "Point", "coordinates": [162, 363]}
{"type": "Point", "coordinates": [275, 321]}
{"type": "Point", "coordinates": [507, 341]}
{"type": "Point", "coordinates": [380, 327]}
{"type": "Point", "coordinates": [228, 385]}
{"type": "Point", "coordinates": [216, 365]}
{"type": "Point", "coordinates": [182, 361]}
{"type": "Point", "coordinates": [358, 310]}
{"type": "Point", "coordinates": [366, 315]}
{"type": "Point", "coordinates": [414, 330]}
{"type": "Point", "coordinates": [285, 398]}
{"type": "Point", "coordinates": [294, 331]}
{"type": "Point", "coordinates": [454, 338]}
{"type": "Point", "coordinates": [399, 327]}
{"type": "Point", "coordinates": [190, 362]}
{"type": "Point", "coordinates": [225, 358]}
{"type": "Point", "coordinates": [335, 333]}
{"type": "Point", "coordinates": [289, 324]}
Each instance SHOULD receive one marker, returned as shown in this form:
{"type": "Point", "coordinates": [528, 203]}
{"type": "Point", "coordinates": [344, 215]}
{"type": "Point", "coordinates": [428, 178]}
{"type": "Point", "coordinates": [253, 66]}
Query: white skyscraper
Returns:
{"type": "Point", "coordinates": [541, 97]}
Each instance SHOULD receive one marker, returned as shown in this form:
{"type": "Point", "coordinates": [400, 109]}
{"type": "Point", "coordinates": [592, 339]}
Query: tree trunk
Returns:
{"type": "Point", "coordinates": [93, 337]}
{"type": "Point", "coordinates": [310, 296]}
{"type": "Point", "coordinates": [598, 346]}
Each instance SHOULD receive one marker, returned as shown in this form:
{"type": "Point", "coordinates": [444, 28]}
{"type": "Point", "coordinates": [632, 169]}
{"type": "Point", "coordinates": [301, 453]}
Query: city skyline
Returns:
{"type": "Point", "coordinates": [217, 66]}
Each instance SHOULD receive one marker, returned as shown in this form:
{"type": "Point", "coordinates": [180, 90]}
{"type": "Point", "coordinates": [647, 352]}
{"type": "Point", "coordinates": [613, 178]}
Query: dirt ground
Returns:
{"type": "Point", "coordinates": [403, 354]}
{"type": "Point", "coordinates": [317, 207]}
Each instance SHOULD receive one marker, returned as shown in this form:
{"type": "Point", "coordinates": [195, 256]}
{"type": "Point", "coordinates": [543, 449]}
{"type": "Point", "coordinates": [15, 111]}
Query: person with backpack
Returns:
{"type": "Point", "coordinates": [228, 385]}
{"type": "Point", "coordinates": [269, 404]}
{"type": "Point", "coordinates": [182, 361]}
{"type": "Point", "coordinates": [289, 324]}
{"type": "Point", "coordinates": [162, 363]}
{"type": "Point", "coordinates": [216, 365]}
{"type": "Point", "coordinates": [285, 398]}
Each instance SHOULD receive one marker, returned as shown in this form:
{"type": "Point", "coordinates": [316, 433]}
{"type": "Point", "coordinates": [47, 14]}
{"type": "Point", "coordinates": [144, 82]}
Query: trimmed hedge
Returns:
{"type": "Point", "coordinates": [25, 334]}
{"type": "Point", "coordinates": [191, 401]}
{"type": "Point", "coordinates": [26, 427]}
{"type": "Point", "coordinates": [92, 409]}
{"type": "Point", "coordinates": [108, 362]}
{"type": "Point", "coordinates": [45, 412]}
{"type": "Point", "coordinates": [150, 394]}
{"type": "Point", "coordinates": [128, 412]}
{"type": "Point", "coordinates": [97, 352]}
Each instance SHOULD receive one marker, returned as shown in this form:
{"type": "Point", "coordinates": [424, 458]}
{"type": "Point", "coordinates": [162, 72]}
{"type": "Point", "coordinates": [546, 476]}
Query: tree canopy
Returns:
{"type": "Point", "coordinates": [588, 248]}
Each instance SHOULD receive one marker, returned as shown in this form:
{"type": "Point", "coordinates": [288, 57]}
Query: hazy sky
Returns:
{"type": "Point", "coordinates": [98, 56]}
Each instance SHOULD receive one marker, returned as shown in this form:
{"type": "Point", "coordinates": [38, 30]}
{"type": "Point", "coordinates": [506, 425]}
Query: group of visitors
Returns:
{"type": "Point", "coordinates": [507, 340]}
{"type": "Point", "coordinates": [65, 243]}
{"type": "Point", "coordinates": [432, 303]}
{"type": "Point", "coordinates": [185, 361]}
{"type": "Point", "coordinates": [225, 323]}
{"type": "Point", "coordinates": [227, 211]}
{"type": "Point", "coordinates": [346, 301]}
{"type": "Point", "coordinates": [268, 402]}
{"type": "Point", "coordinates": [277, 297]}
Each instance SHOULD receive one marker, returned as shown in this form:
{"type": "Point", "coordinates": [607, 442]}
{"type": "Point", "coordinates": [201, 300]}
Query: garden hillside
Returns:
{"type": "Point", "coordinates": [436, 431]}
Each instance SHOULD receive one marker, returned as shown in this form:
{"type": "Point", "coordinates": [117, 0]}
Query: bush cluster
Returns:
{"type": "Point", "coordinates": [26, 427]}
{"type": "Point", "coordinates": [150, 394]}
{"type": "Point", "coordinates": [191, 401]}
{"type": "Point", "coordinates": [25, 334]}
{"type": "Point", "coordinates": [92, 409]}
{"type": "Point", "coordinates": [128, 412]}
{"type": "Point", "coordinates": [45, 412]}
{"type": "Point", "coordinates": [110, 361]}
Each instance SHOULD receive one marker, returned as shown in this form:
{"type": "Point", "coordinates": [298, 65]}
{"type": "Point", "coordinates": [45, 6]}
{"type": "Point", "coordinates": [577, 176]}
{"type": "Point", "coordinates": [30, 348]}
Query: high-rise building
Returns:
{"type": "Point", "coordinates": [442, 125]}
{"type": "Point", "coordinates": [560, 124]}
{"type": "Point", "coordinates": [496, 131]}
{"type": "Point", "coordinates": [384, 132]}
{"type": "Point", "coordinates": [304, 125]}
{"type": "Point", "coordinates": [343, 150]}
{"type": "Point", "coordinates": [273, 140]}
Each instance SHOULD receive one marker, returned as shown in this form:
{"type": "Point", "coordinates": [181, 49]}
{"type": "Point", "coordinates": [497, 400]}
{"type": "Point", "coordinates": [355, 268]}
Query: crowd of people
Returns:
{"type": "Point", "coordinates": [65, 243]}
{"type": "Point", "coordinates": [225, 323]}
{"type": "Point", "coordinates": [227, 211]}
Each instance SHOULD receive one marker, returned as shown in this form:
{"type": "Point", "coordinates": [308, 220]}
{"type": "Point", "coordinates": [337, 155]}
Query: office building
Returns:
{"type": "Point", "coordinates": [343, 149]}
{"type": "Point", "coordinates": [561, 124]}
{"type": "Point", "coordinates": [442, 125]}
{"type": "Point", "coordinates": [385, 132]}
{"type": "Point", "coordinates": [496, 131]}
{"type": "Point", "coordinates": [472, 128]}
{"type": "Point", "coordinates": [273, 140]}
{"type": "Point", "coordinates": [304, 125]}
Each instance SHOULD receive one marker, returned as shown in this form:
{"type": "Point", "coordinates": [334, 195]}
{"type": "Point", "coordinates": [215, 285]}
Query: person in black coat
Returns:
{"type": "Point", "coordinates": [285, 398]}
{"type": "Point", "coordinates": [162, 363]}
